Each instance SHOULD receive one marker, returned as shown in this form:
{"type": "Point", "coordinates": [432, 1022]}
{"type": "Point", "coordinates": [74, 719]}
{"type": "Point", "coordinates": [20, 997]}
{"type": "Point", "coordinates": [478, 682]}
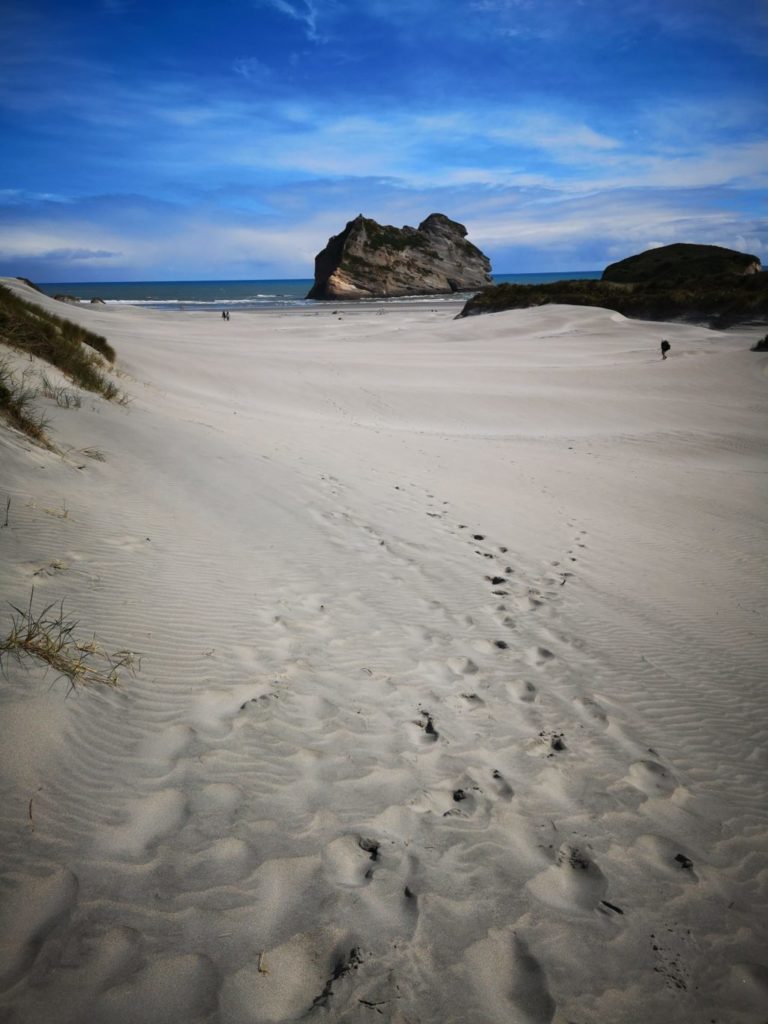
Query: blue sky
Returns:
{"type": "Point", "coordinates": [161, 140]}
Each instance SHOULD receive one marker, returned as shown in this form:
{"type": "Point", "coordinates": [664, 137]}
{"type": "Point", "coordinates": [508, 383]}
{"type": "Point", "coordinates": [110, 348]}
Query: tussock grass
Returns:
{"type": "Point", "coordinates": [80, 353]}
{"type": "Point", "coordinates": [77, 352]}
{"type": "Point", "coordinates": [17, 398]}
{"type": "Point", "coordinates": [62, 396]}
{"type": "Point", "coordinates": [94, 453]}
{"type": "Point", "coordinates": [49, 636]}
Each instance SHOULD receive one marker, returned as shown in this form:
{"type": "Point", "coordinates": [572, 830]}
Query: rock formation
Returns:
{"type": "Point", "coordinates": [370, 260]}
{"type": "Point", "coordinates": [679, 262]}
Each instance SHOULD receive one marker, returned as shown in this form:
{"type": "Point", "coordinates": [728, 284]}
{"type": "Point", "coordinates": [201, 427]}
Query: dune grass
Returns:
{"type": "Point", "coordinates": [63, 396]}
{"type": "Point", "coordinates": [58, 341]}
{"type": "Point", "coordinates": [77, 352]}
{"type": "Point", "coordinates": [49, 636]}
{"type": "Point", "coordinates": [17, 405]}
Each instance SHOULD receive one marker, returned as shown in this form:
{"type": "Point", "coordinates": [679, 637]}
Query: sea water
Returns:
{"type": "Point", "coordinates": [251, 295]}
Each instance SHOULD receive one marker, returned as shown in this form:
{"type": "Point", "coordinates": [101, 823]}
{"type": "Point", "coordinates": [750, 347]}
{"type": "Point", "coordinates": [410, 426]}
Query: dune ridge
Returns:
{"type": "Point", "coordinates": [451, 703]}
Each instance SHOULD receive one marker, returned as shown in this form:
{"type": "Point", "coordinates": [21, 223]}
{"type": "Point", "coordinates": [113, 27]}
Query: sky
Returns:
{"type": "Point", "coordinates": [160, 140]}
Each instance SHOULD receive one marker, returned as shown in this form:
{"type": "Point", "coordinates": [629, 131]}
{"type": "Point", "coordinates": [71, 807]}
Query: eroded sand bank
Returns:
{"type": "Point", "coordinates": [451, 702]}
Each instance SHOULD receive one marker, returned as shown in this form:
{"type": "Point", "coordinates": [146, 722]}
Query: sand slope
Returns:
{"type": "Point", "coordinates": [451, 704]}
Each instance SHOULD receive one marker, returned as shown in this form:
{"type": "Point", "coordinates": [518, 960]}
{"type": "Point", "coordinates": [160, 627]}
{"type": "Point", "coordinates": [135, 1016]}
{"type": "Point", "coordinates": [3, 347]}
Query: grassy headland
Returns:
{"type": "Point", "coordinates": [719, 300]}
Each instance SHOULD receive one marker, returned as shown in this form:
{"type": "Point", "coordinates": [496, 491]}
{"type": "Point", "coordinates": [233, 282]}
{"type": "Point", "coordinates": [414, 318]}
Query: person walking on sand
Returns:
{"type": "Point", "coordinates": [665, 347]}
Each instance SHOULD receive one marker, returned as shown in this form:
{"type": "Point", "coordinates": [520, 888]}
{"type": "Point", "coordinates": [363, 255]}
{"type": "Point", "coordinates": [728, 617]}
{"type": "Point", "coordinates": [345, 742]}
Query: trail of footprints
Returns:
{"type": "Point", "coordinates": [214, 821]}
{"type": "Point", "coordinates": [573, 881]}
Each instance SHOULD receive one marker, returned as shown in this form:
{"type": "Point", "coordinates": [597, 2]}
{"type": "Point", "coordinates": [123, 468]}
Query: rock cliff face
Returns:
{"type": "Point", "coordinates": [370, 260]}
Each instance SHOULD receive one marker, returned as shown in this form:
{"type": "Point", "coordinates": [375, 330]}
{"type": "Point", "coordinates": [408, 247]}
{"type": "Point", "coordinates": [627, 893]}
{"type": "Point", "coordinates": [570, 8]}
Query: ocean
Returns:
{"type": "Point", "coordinates": [201, 296]}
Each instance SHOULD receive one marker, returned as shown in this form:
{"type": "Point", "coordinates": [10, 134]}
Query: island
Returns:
{"type": "Point", "coordinates": [370, 260]}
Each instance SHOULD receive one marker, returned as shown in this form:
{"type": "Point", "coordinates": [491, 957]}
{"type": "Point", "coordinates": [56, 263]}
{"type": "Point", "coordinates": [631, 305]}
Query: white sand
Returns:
{"type": "Point", "coordinates": [325, 750]}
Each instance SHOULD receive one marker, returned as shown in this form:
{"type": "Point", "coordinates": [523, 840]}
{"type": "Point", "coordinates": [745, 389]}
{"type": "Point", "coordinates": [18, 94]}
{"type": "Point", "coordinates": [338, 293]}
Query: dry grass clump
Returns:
{"type": "Point", "coordinates": [49, 637]}
{"type": "Point", "coordinates": [63, 396]}
{"type": "Point", "coordinates": [94, 453]}
{"type": "Point", "coordinates": [17, 405]}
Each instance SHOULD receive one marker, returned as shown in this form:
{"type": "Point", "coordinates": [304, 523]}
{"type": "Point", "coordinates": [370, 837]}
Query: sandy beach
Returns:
{"type": "Point", "coordinates": [449, 699]}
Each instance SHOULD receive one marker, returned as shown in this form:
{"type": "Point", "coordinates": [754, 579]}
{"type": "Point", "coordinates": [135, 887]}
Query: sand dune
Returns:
{"type": "Point", "coordinates": [451, 703]}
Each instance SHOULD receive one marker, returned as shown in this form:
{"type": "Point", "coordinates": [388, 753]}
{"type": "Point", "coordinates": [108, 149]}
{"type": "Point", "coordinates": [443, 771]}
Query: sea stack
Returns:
{"type": "Point", "coordinates": [369, 260]}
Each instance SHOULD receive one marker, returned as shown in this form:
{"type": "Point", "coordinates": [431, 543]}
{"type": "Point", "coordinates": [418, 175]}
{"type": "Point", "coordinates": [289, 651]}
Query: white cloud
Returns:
{"type": "Point", "coordinates": [303, 11]}
{"type": "Point", "coordinates": [251, 68]}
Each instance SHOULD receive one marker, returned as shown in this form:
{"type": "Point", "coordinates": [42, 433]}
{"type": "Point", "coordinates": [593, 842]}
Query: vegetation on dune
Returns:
{"type": "Point", "coordinates": [17, 405]}
{"type": "Point", "coordinates": [49, 636]}
{"type": "Point", "coordinates": [76, 351]}
{"type": "Point", "coordinates": [720, 301]}
{"type": "Point", "coordinates": [58, 341]}
{"type": "Point", "coordinates": [30, 284]}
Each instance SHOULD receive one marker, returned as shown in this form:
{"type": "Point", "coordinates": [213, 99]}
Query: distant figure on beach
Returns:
{"type": "Point", "coordinates": [665, 347]}
{"type": "Point", "coordinates": [225, 314]}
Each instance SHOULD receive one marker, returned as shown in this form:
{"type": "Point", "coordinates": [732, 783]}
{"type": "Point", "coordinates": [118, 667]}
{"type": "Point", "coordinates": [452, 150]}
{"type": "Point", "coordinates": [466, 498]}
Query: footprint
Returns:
{"type": "Point", "coordinates": [462, 666]}
{"type": "Point", "coordinates": [539, 656]}
{"type": "Point", "coordinates": [215, 806]}
{"type": "Point", "coordinates": [284, 983]}
{"type": "Point", "coordinates": [471, 700]}
{"type": "Point", "coordinates": [548, 743]}
{"type": "Point", "coordinates": [425, 730]}
{"type": "Point", "coordinates": [573, 883]}
{"type": "Point", "coordinates": [149, 820]}
{"type": "Point", "coordinates": [501, 785]}
{"type": "Point", "coordinates": [749, 985]}
{"type": "Point", "coordinates": [522, 689]}
{"type": "Point", "coordinates": [30, 911]}
{"type": "Point", "coordinates": [591, 710]}
{"type": "Point", "coordinates": [177, 988]}
{"type": "Point", "coordinates": [666, 858]}
{"type": "Point", "coordinates": [226, 861]}
{"type": "Point", "coordinates": [163, 749]}
{"type": "Point", "coordinates": [509, 981]}
{"type": "Point", "coordinates": [652, 779]}
{"type": "Point", "coordinates": [350, 860]}
{"type": "Point", "coordinates": [106, 958]}
{"type": "Point", "coordinates": [505, 620]}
